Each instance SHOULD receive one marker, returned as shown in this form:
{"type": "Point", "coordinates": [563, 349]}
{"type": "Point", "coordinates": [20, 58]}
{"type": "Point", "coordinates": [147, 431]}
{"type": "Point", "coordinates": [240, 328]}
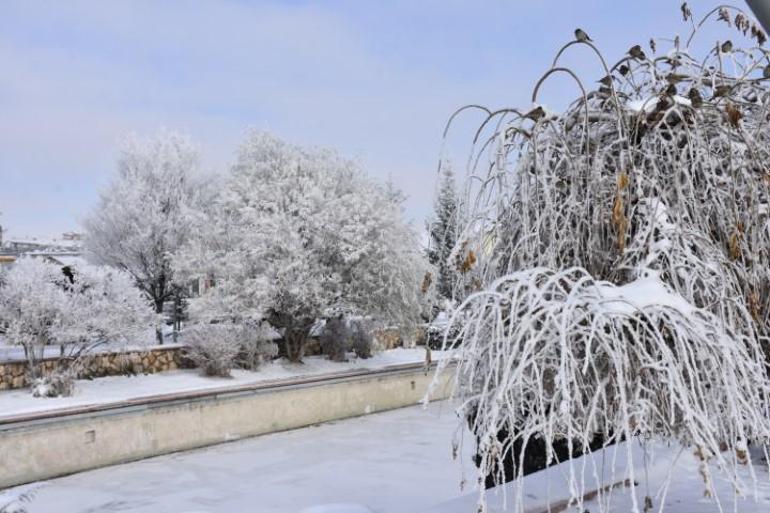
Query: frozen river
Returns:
{"type": "Point", "coordinates": [397, 461]}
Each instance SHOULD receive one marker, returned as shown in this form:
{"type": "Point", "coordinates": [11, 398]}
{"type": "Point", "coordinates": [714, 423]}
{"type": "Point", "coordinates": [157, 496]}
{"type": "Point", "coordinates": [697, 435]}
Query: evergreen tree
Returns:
{"type": "Point", "coordinates": [443, 233]}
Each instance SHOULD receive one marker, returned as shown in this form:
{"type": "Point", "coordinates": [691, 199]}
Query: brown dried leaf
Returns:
{"type": "Point", "coordinates": [468, 262]}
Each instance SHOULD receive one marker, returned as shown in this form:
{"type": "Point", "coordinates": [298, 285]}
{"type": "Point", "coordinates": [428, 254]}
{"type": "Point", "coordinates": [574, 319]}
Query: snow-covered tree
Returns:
{"type": "Point", "coordinates": [43, 304]}
{"type": "Point", "coordinates": [619, 260]}
{"type": "Point", "coordinates": [298, 235]}
{"type": "Point", "coordinates": [142, 217]}
{"type": "Point", "coordinates": [442, 229]}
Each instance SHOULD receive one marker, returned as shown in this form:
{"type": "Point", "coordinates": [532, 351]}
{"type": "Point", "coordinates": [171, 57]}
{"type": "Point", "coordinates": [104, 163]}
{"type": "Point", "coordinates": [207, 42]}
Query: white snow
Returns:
{"type": "Point", "coordinates": [643, 292]}
{"type": "Point", "coordinates": [392, 462]}
{"type": "Point", "coordinates": [642, 104]}
{"type": "Point", "coordinates": [338, 508]}
{"type": "Point", "coordinates": [120, 388]}
{"type": "Point", "coordinates": [685, 492]}
{"type": "Point", "coordinates": [648, 104]}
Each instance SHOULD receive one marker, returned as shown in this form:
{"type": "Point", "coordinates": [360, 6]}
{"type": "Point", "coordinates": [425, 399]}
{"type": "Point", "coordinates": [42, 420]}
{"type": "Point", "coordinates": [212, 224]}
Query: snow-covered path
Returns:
{"type": "Point", "coordinates": [398, 461]}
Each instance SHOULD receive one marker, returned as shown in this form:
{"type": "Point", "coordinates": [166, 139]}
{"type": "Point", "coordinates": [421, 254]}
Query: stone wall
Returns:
{"type": "Point", "coordinates": [144, 361]}
{"type": "Point", "coordinates": [390, 338]}
{"type": "Point", "coordinates": [168, 357]}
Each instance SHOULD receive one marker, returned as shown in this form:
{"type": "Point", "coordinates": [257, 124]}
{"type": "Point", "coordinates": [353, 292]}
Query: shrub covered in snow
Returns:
{"type": "Point", "coordinates": [42, 304]}
{"type": "Point", "coordinates": [615, 258]}
{"type": "Point", "coordinates": [217, 348]}
{"type": "Point", "coordinates": [256, 346]}
{"type": "Point", "coordinates": [341, 336]}
{"type": "Point", "coordinates": [361, 338]}
{"type": "Point", "coordinates": [335, 339]}
{"type": "Point", "coordinates": [299, 235]}
{"type": "Point", "coordinates": [213, 347]}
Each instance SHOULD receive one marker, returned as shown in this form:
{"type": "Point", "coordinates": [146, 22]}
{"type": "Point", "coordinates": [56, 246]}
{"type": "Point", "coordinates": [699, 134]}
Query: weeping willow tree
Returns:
{"type": "Point", "coordinates": [615, 258]}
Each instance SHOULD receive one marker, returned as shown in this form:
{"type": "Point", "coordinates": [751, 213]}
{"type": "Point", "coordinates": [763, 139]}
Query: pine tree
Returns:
{"type": "Point", "coordinates": [443, 233]}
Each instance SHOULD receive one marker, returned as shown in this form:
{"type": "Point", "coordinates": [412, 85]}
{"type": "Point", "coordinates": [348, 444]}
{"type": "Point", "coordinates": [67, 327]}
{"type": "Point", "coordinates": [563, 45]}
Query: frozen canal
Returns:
{"type": "Point", "coordinates": [398, 461]}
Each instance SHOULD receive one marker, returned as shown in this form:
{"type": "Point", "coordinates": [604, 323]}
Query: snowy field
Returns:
{"type": "Point", "coordinates": [120, 388]}
{"type": "Point", "coordinates": [397, 461]}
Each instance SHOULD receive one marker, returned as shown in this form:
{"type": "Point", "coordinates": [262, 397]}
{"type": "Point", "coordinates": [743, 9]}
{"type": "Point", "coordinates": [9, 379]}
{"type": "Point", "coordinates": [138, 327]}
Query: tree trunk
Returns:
{"type": "Point", "coordinates": [159, 330]}
{"type": "Point", "coordinates": [295, 341]}
{"type": "Point", "coordinates": [176, 320]}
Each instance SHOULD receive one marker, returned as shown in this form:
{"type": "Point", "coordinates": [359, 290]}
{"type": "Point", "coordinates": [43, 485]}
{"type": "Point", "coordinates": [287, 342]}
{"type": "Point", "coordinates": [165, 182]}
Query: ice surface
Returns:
{"type": "Point", "coordinates": [392, 462]}
{"type": "Point", "coordinates": [685, 493]}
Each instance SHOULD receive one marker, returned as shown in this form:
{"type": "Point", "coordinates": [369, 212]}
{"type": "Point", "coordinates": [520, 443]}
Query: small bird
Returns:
{"type": "Point", "coordinates": [581, 35]}
{"type": "Point", "coordinates": [766, 72]}
{"type": "Point", "coordinates": [675, 78]}
{"type": "Point", "coordinates": [722, 91]}
{"type": "Point", "coordinates": [696, 100]}
{"type": "Point", "coordinates": [535, 114]}
{"type": "Point", "coordinates": [623, 70]}
{"type": "Point", "coordinates": [727, 46]}
{"type": "Point", "coordinates": [606, 81]}
{"type": "Point", "coordinates": [637, 53]}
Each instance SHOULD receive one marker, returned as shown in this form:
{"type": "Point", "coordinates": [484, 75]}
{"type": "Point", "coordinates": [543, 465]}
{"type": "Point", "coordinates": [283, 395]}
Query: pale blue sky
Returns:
{"type": "Point", "coordinates": [374, 79]}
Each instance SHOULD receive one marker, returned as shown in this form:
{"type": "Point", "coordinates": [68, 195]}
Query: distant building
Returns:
{"type": "Point", "coordinates": [65, 250]}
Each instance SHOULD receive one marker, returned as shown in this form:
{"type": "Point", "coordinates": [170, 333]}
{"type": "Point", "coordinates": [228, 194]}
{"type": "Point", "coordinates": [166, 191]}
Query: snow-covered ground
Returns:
{"type": "Point", "coordinates": [685, 492]}
{"type": "Point", "coordinates": [120, 388]}
{"type": "Point", "coordinates": [397, 461]}
{"type": "Point", "coordinates": [392, 462]}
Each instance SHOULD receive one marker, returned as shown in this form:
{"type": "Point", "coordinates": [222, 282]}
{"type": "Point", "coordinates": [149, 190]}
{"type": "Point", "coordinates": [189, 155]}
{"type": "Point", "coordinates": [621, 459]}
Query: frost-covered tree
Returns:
{"type": "Point", "coordinates": [616, 256]}
{"type": "Point", "coordinates": [299, 235]}
{"type": "Point", "coordinates": [442, 230]}
{"type": "Point", "coordinates": [142, 217]}
{"type": "Point", "coordinates": [43, 304]}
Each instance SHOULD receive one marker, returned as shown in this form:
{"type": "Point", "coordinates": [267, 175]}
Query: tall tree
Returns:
{"type": "Point", "coordinates": [443, 234]}
{"type": "Point", "coordinates": [299, 235]}
{"type": "Point", "coordinates": [142, 217]}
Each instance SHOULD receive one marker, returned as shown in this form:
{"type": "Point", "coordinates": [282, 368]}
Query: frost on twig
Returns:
{"type": "Point", "coordinates": [615, 259]}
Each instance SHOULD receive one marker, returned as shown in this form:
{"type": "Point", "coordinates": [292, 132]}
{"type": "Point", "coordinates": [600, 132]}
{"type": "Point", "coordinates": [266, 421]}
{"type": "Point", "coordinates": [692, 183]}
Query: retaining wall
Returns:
{"type": "Point", "coordinates": [42, 446]}
{"type": "Point", "coordinates": [141, 361]}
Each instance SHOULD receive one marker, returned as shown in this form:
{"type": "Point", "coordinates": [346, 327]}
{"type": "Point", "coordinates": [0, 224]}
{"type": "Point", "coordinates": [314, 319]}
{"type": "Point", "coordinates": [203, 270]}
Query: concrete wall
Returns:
{"type": "Point", "coordinates": [43, 448]}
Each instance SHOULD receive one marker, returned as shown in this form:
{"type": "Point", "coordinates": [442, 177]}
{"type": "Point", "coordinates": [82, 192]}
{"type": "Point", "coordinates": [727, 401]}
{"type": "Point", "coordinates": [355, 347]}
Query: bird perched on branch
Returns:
{"type": "Point", "coordinates": [535, 114]}
{"type": "Point", "coordinates": [637, 53]}
{"type": "Point", "coordinates": [675, 78]}
{"type": "Point", "coordinates": [727, 46]}
{"type": "Point", "coordinates": [696, 100]}
{"type": "Point", "coordinates": [721, 91]}
{"type": "Point", "coordinates": [581, 35]}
